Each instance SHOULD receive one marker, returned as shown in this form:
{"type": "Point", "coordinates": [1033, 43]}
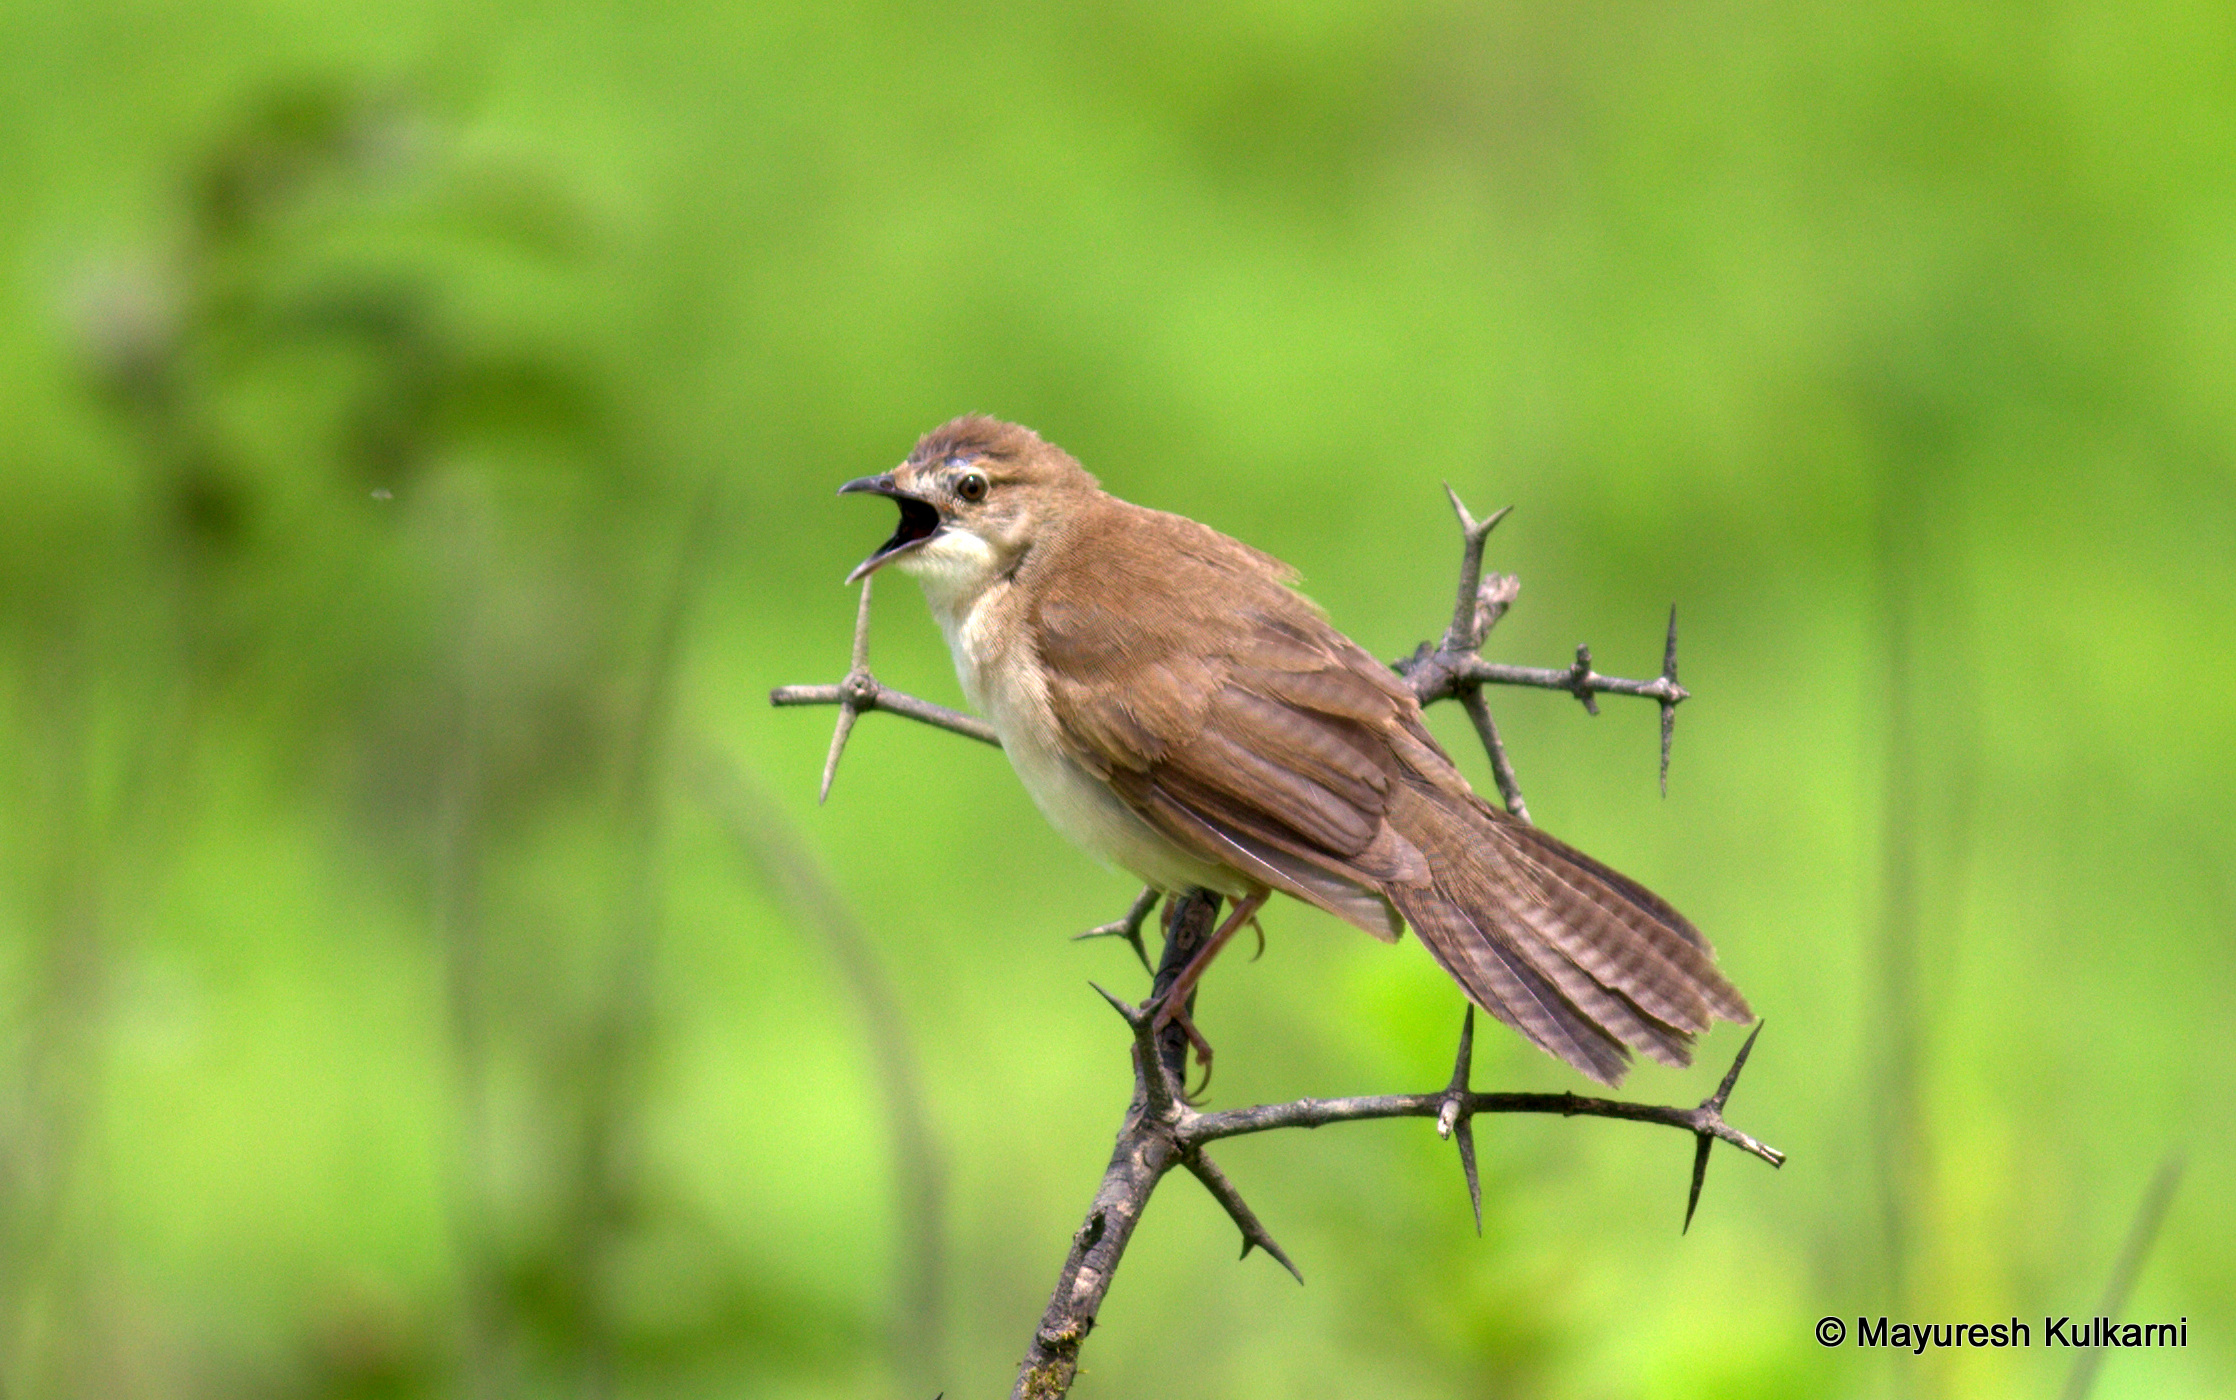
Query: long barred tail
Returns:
{"type": "Point", "coordinates": [1581, 960]}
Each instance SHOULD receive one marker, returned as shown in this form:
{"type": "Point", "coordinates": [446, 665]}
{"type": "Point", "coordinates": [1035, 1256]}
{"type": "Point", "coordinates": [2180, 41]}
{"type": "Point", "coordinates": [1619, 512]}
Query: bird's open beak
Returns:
{"type": "Point", "coordinates": [919, 522]}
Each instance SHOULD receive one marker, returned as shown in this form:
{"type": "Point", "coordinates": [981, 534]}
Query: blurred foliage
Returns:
{"type": "Point", "coordinates": [422, 424]}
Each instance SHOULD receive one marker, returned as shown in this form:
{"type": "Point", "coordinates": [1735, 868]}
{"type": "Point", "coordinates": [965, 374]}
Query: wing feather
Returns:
{"type": "Point", "coordinates": [1224, 711]}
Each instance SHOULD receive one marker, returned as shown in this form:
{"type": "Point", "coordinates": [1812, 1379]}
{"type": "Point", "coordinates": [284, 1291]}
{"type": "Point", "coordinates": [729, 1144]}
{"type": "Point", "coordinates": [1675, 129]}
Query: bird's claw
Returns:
{"type": "Point", "coordinates": [1176, 1015]}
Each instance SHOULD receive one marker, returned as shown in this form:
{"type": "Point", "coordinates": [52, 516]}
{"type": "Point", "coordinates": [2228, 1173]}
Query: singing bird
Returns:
{"type": "Point", "coordinates": [1176, 708]}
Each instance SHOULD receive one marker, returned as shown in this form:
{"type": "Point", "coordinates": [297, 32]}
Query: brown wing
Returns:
{"type": "Point", "coordinates": [1228, 714]}
{"type": "Point", "coordinates": [1231, 717]}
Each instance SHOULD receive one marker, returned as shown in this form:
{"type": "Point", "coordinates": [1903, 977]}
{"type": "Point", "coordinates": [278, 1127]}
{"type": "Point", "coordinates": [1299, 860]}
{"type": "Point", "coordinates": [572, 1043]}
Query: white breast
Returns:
{"type": "Point", "coordinates": [984, 633]}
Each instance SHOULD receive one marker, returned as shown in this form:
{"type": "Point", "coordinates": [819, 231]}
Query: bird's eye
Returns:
{"type": "Point", "coordinates": [971, 486]}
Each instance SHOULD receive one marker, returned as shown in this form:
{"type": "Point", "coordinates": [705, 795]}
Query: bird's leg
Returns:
{"type": "Point", "coordinates": [1175, 1010]}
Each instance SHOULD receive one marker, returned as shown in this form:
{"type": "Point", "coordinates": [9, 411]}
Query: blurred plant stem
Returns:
{"type": "Point", "coordinates": [460, 822]}
{"type": "Point", "coordinates": [780, 862]}
{"type": "Point", "coordinates": [54, 1069]}
{"type": "Point", "coordinates": [1899, 1139]}
{"type": "Point", "coordinates": [1928, 746]}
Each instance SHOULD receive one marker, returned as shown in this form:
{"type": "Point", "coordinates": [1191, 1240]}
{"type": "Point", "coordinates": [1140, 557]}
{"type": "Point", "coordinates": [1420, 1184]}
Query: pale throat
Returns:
{"type": "Point", "coordinates": [955, 569]}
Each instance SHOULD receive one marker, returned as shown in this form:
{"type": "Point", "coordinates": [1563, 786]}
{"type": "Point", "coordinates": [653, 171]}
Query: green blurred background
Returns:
{"type": "Point", "coordinates": [421, 429]}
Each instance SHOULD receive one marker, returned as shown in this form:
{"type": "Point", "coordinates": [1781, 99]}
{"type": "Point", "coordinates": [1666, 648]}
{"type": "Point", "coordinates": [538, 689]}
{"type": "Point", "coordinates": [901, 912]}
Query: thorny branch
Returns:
{"type": "Point", "coordinates": [1162, 1129]}
{"type": "Point", "coordinates": [861, 692]}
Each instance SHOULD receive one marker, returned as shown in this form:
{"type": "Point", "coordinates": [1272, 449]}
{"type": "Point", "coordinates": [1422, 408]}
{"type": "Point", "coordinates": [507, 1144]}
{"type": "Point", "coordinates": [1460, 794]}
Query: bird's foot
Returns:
{"type": "Point", "coordinates": [1176, 1014]}
{"type": "Point", "coordinates": [1183, 988]}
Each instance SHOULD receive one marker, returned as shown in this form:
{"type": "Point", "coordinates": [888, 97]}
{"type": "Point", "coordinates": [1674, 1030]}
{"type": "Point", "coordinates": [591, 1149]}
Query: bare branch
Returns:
{"type": "Point", "coordinates": [1579, 680]}
{"type": "Point", "coordinates": [872, 694]}
{"type": "Point", "coordinates": [861, 692]}
{"type": "Point", "coordinates": [1454, 668]}
{"type": "Point", "coordinates": [1145, 1150]}
{"type": "Point", "coordinates": [1315, 1113]}
{"type": "Point", "coordinates": [1162, 1132]}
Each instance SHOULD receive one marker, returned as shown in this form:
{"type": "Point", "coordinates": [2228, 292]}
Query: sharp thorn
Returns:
{"type": "Point", "coordinates": [862, 626]}
{"type": "Point", "coordinates": [1700, 1174]}
{"type": "Point", "coordinates": [1133, 1015]}
{"type": "Point", "coordinates": [1455, 1094]}
{"type": "Point", "coordinates": [845, 726]}
{"type": "Point", "coordinates": [1464, 1060]}
{"type": "Point", "coordinates": [1129, 927]}
{"type": "Point", "coordinates": [1265, 1242]}
{"type": "Point", "coordinates": [1467, 522]}
{"type": "Point", "coordinates": [1731, 1076]}
{"type": "Point", "coordinates": [1133, 936]}
{"type": "Point", "coordinates": [1286, 1262]}
{"type": "Point", "coordinates": [1668, 707]}
{"type": "Point", "coordinates": [1472, 528]}
{"type": "Point", "coordinates": [1254, 1233]}
{"type": "Point", "coordinates": [1131, 933]}
{"type": "Point", "coordinates": [1467, 1165]}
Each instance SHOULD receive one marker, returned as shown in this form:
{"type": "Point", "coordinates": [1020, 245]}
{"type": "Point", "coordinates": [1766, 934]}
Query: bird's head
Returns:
{"type": "Point", "coordinates": [974, 496]}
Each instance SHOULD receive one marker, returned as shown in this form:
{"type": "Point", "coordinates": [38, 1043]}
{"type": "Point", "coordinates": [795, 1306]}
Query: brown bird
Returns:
{"type": "Point", "coordinates": [1176, 708]}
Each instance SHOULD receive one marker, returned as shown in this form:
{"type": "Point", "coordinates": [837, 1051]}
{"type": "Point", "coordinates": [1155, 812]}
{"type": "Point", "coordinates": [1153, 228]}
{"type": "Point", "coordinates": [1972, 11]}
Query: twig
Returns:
{"type": "Point", "coordinates": [862, 692]}
{"type": "Point", "coordinates": [1578, 679]}
{"type": "Point", "coordinates": [1146, 1149]}
{"type": "Point", "coordinates": [1454, 669]}
{"type": "Point", "coordinates": [1707, 1120]}
{"type": "Point", "coordinates": [1502, 768]}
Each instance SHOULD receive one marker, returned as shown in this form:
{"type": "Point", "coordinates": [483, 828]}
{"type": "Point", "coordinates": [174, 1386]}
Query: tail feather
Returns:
{"type": "Point", "coordinates": [1613, 1012]}
{"type": "Point", "coordinates": [1502, 982]}
{"type": "Point", "coordinates": [1678, 952]}
{"type": "Point", "coordinates": [1581, 961]}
